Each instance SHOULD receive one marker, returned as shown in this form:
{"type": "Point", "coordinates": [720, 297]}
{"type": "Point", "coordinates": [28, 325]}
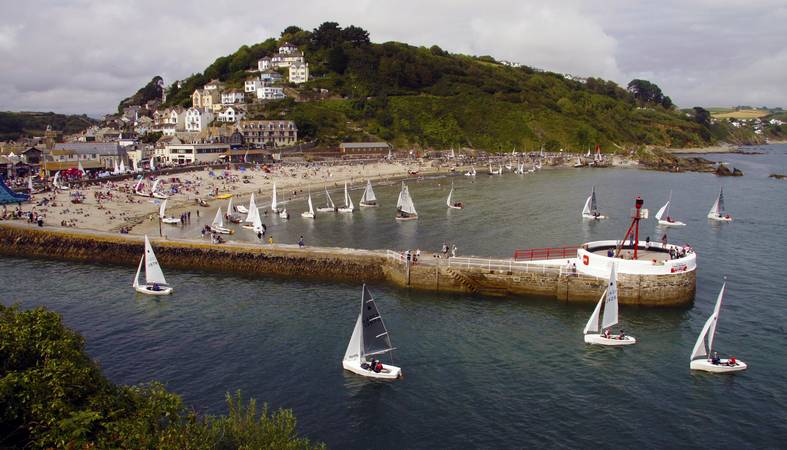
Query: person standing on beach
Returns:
{"type": "Point", "coordinates": [301, 244]}
{"type": "Point", "coordinates": [270, 239]}
{"type": "Point", "coordinates": [453, 251]}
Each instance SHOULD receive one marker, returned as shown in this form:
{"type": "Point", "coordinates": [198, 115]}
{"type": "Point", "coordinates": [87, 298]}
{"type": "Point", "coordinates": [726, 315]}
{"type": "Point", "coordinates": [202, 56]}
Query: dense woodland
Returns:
{"type": "Point", "coordinates": [428, 97]}
{"type": "Point", "coordinates": [54, 396]}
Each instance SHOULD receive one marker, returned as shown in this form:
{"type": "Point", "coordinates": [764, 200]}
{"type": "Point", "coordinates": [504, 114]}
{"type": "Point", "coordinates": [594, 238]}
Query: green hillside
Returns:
{"type": "Point", "coordinates": [14, 125]}
{"type": "Point", "coordinates": [428, 97]}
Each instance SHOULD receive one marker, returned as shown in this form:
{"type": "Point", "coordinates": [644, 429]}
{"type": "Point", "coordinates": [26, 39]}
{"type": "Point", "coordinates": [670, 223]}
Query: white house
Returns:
{"type": "Point", "coordinates": [270, 76]}
{"type": "Point", "coordinates": [270, 93]}
{"type": "Point", "coordinates": [191, 153]}
{"type": "Point", "coordinates": [232, 97]}
{"type": "Point", "coordinates": [213, 85]}
{"type": "Point", "coordinates": [299, 73]}
{"type": "Point", "coordinates": [197, 119]}
{"type": "Point", "coordinates": [230, 114]}
{"type": "Point", "coordinates": [287, 49]}
{"type": "Point", "coordinates": [286, 59]}
{"type": "Point", "coordinates": [264, 64]}
{"type": "Point", "coordinates": [251, 85]}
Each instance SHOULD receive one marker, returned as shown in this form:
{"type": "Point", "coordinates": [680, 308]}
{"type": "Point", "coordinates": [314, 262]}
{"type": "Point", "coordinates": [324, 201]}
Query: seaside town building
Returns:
{"type": "Point", "coordinates": [232, 97]}
{"type": "Point", "coordinates": [98, 155]}
{"type": "Point", "coordinates": [230, 114]}
{"type": "Point", "coordinates": [269, 132]}
{"type": "Point", "coordinates": [193, 153]}
{"type": "Point", "coordinates": [299, 73]}
{"type": "Point", "coordinates": [198, 119]}
{"type": "Point", "coordinates": [267, 92]}
{"type": "Point", "coordinates": [364, 148]}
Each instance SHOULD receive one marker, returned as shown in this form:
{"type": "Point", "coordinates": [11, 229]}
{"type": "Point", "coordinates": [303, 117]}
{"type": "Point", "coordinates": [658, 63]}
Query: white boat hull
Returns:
{"type": "Point", "coordinates": [707, 366]}
{"type": "Point", "coordinates": [388, 373]}
{"type": "Point", "coordinates": [346, 210]}
{"type": "Point", "coordinates": [675, 223]}
{"type": "Point", "coordinates": [597, 339]}
{"type": "Point", "coordinates": [220, 230]}
{"type": "Point", "coordinates": [719, 219]}
{"type": "Point", "coordinates": [402, 219]}
{"type": "Point", "coordinates": [170, 220]}
{"type": "Point", "coordinates": [142, 194]}
{"type": "Point", "coordinates": [592, 217]}
{"type": "Point", "coordinates": [161, 196]}
{"type": "Point", "coordinates": [456, 207]}
{"type": "Point", "coordinates": [307, 215]}
{"type": "Point", "coordinates": [148, 290]}
{"type": "Point", "coordinates": [241, 209]}
{"type": "Point", "coordinates": [284, 215]}
{"type": "Point", "coordinates": [326, 209]}
{"type": "Point", "coordinates": [368, 205]}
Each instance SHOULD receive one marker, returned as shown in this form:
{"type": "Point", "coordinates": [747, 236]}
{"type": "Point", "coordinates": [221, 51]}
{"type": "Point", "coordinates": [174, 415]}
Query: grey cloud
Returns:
{"type": "Point", "coordinates": [85, 55]}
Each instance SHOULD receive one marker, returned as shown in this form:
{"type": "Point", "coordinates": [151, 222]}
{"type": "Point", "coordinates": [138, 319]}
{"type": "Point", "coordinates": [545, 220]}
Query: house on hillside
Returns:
{"type": "Point", "coordinates": [284, 60]}
{"type": "Point", "coordinates": [251, 85]}
{"type": "Point", "coordinates": [299, 73]}
{"type": "Point", "coordinates": [271, 76]}
{"type": "Point", "coordinates": [198, 119]}
{"type": "Point", "coordinates": [205, 98]}
{"type": "Point", "coordinates": [264, 64]}
{"type": "Point", "coordinates": [270, 93]}
{"type": "Point", "coordinates": [213, 85]}
{"type": "Point", "coordinates": [230, 114]}
{"type": "Point", "coordinates": [232, 97]}
{"type": "Point", "coordinates": [287, 49]}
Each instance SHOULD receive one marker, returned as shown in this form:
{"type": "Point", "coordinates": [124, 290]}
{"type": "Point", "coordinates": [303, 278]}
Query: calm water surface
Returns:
{"type": "Point", "coordinates": [491, 373]}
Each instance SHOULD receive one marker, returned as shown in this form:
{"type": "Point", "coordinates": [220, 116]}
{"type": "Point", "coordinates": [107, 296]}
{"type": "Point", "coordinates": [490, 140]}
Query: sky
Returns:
{"type": "Point", "coordinates": [84, 56]}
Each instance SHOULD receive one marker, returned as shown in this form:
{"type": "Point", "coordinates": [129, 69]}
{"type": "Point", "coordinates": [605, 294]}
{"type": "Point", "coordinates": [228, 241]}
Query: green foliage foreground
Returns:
{"type": "Point", "coordinates": [52, 395]}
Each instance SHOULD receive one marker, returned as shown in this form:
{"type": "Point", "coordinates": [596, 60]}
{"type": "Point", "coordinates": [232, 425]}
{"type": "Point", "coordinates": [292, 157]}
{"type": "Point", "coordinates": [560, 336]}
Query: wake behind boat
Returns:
{"type": "Point", "coordinates": [602, 335]}
{"type": "Point", "coordinates": [155, 283]}
{"type": "Point", "coordinates": [369, 339]}
{"type": "Point", "coordinates": [703, 357]}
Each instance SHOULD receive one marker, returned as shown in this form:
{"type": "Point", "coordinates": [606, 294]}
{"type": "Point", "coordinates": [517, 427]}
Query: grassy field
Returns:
{"type": "Point", "coordinates": [740, 114]}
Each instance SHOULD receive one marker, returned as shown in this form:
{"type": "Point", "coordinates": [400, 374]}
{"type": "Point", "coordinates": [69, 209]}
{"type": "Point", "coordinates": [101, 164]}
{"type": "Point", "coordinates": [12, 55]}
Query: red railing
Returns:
{"type": "Point", "coordinates": [545, 253]}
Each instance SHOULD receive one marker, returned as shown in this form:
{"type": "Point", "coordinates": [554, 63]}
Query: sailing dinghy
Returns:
{"type": "Point", "coordinates": [405, 208]}
{"type": "Point", "coordinates": [590, 211]}
{"type": "Point", "coordinates": [717, 212]}
{"type": "Point", "coordinates": [231, 216]}
{"type": "Point", "coordinates": [450, 203]}
{"type": "Point", "coordinates": [663, 217]}
{"type": "Point", "coordinates": [310, 213]}
{"type": "Point", "coordinates": [218, 224]}
{"type": "Point", "coordinates": [369, 340]}
{"type": "Point", "coordinates": [274, 201]}
{"type": "Point", "coordinates": [250, 211]}
{"type": "Point", "coordinates": [472, 172]}
{"type": "Point", "coordinates": [155, 193]}
{"type": "Point", "coordinates": [348, 202]}
{"type": "Point", "coordinates": [244, 210]}
{"type": "Point", "coordinates": [155, 283]}
{"type": "Point", "coordinates": [703, 357]}
{"type": "Point", "coordinates": [329, 206]}
{"type": "Point", "coordinates": [601, 335]}
{"type": "Point", "coordinates": [163, 216]}
{"type": "Point", "coordinates": [369, 200]}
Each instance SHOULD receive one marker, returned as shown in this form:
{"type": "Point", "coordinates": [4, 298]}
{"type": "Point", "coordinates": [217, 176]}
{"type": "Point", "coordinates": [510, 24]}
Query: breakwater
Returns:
{"type": "Point", "coordinates": [462, 275]}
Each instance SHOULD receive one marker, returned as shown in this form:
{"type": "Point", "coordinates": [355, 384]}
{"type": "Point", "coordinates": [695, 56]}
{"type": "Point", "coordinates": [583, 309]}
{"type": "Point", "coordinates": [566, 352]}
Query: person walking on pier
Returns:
{"type": "Point", "coordinates": [301, 244]}
{"type": "Point", "coordinates": [453, 251]}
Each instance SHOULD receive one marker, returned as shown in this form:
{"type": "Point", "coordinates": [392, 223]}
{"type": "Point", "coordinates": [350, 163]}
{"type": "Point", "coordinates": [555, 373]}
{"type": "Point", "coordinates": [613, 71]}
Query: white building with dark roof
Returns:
{"type": "Point", "coordinates": [299, 73]}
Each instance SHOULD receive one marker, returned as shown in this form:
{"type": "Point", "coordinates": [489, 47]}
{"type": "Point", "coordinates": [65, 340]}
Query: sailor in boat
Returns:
{"type": "Point", "coordinates": [459, 205]}
{"type": "Point", "coordinates": [155, 287]}
{"type": "Point", "coordinates": [400, 213]}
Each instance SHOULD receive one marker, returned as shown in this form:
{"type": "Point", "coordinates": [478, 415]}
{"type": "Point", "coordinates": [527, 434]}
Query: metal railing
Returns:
{"type": "Point", "coordinates": [506, 265]}
{"type": "Point", "coordinates": [545, 253]}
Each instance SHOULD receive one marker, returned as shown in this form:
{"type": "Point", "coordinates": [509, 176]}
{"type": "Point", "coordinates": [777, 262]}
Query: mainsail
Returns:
{"type": "Point", "coordinates": [374, 339]}
{"type": "Point", "coordinates": [708, 330]}
{"type": "Point", "coordinates": [718, 207]}
{"type": "Point", "coordinates": [274, 203]}
{"type": "Point", "coordinates": [256, 222]}
{"type": "Point", "coordinates": [311, 207]}
{"type": "Point", "coordinates": [405, 202]}
{"type": "Point", "coordinates": [368, 193]}
{"type": "Point", "coordinates": [593, 204]}
{"type": "Point", "coordinates": [218, 221]}
{"type": "Point", "coordinates": [252, 208]}
{"type": "Point", "coordinates": [328, 201]}
{"type": "Point", "coordinates": [610, 316]}
{"type": "Point", "coordinates": [162, 208]}
{"type": "Point", "coordinates": [664, 209]}
{"type": "Point", "coordinates": [153, 273]}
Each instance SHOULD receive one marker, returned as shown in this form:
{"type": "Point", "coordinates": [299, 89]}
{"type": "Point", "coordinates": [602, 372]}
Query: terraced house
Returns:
{"type": "Point", "coordinates": [269, 132]}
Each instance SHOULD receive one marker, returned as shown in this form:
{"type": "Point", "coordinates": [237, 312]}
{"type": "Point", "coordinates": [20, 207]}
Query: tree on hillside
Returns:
{"type": "Point", "coordinates": [292, 29]}
{"type": "Point", "coordinates": [646, 92]}
{"type": "Point", "coordinates": [327, 35]}
{"type": "Point", "coordinates": [355, 36]}
{"type": "Point", "coordinates": [701, 116]}
{"type": "Point", "coordinates": [151, 91]}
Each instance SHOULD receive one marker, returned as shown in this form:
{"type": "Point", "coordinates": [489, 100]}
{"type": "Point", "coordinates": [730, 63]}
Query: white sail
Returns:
{"type": "Point", "coordinates": [116, 169]}
{"type": "Point", "coordinates": [347, 200]}
{"type": "Point", "coordinates": [55, 179]}
{"type": "Point", "coordinates": [593, 202]}
{"type": "Point", "coordinates": [81, 169]}
{"type": "Point", "coordinates": [30, 183]}
{"type": "Point", "coordinates": [311, 206]}
{"type": "Point", "coordinates": [664, 209]}
{"type": "Point", "coordinates": [610, 316]}
{"type": "Point", "coordinates": [592, 325]}
{"type": "Point", "coordinates": [274, 202]}
{"type": "Point", "coordinates": [162, 209]}
{"type": "Point", "coordinates": [229, 207]}
{"type": "Point", "coordinates": [329, 201]}
{"type": "Point", "coordinates": [139, 270]}
{"type": "Point", "coordinates": [252, 208]}
{"type": "Point", "coordinates": [586, 209]}
{"type": "Point", "coordinates": [718, 207]}
{"type": "Point", "coordinates": [218, 221]}
{"type": "Point", "coordinates": [405, 202]}
{"type": "Point", "coordinates": [709, 330]}
{"type": "Point", "coordinates": [354, 348]}
{"type": "Point", "coordinates": [153, 273]}
{"type": "Point", "coordinates": [450, 194]}
{"type": "Point", "coordinates": [122, 166]}
{"type": "Point", "coordinates": [368, 193]}
{"type": "Point", "coordinates": [138, 186]}
{"type": "Point", "coordinates": [152, 164]}
{"type": "Point", "coordinates": [155, 186]}
{"type": "Point", "coordinates": [257, 221]}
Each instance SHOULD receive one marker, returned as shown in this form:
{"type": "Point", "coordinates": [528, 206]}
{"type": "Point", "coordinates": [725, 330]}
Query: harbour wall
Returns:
{"type": "Point", "coordinates": [343, 265]}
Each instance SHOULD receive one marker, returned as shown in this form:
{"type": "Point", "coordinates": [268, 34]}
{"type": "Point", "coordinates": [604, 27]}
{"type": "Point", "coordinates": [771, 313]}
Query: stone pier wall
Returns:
{"type": "Point", "coordinates": [337, 264]}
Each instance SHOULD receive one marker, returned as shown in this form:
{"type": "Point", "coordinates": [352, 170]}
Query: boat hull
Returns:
{"type": "Point", "coordinates": [456, 207]}
{"type": "Point", "coordinates": [242, 209]}
{"type": "Point", "coordinates": [170, 220]}
{"type": "Point", "coordinates": [388, 373]}
{"type": "Point", "coordinates": [597, 339]}
{"type": "Point", "coordinates": [707, 366]}
{"type": "Point", "coordinates": [368, 205]}
{"type": "Point", "coordinates": [406, 218]}
{"type": "Point", "coordinates": [307, 215]}
{"type": "Point", "coordinates": [676, 223]}
{"type": "Point", "coordinates": [719, 219]}
{"type": "Point", "coordinates": [161, 196]}
{"type": "Point", "coordinates": [592, 217]}
{"type": "Point", "coordinates": [326, 209]}
{"type": "Point", "coordinates": [148, 290]}
{"type": "Point", "coordinates": [346, 210]}
{"type": "Point", "coordinates": [220, 230]}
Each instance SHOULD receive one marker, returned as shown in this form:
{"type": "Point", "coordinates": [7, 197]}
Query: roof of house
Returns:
{"type": "Point", "coordinates": [101, 148]}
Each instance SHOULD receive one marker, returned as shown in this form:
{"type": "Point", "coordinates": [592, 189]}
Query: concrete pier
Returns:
{"type": "Point", "coordinates": [488, 277]}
